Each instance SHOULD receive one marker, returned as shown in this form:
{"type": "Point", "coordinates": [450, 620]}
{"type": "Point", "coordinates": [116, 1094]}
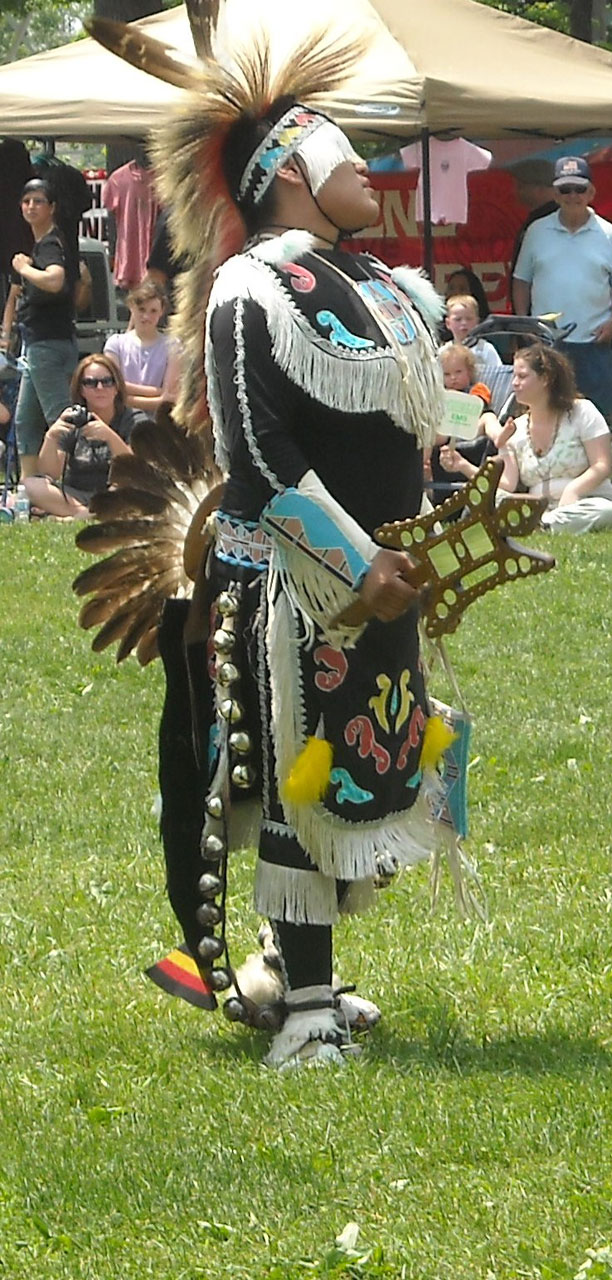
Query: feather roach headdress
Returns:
{"type": "Point", "coordinates": [216, 158]}
{"type": "Point", "coordinates": [215, 161]}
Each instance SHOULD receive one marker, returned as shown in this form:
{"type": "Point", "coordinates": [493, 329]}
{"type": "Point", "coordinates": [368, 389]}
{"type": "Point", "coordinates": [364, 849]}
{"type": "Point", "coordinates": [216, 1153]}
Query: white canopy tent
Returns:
{"type": "Point", "coordinates": [445, 66]}
{"type": "Point", "coordinates": [82, 91]}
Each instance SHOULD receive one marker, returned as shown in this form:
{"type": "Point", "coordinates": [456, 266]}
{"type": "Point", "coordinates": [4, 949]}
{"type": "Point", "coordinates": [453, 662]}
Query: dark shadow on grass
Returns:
{"type": "Point", "coordinates": [444, 1047]}
{"type": "Point", "coordinates": [218, 1043]}
{"type": "Point", "coordinates": [557, 1053]}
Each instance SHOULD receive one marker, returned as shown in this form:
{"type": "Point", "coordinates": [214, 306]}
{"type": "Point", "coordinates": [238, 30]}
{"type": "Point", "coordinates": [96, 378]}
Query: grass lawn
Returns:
{"type": "Point", "coordinates": [140, 1137]}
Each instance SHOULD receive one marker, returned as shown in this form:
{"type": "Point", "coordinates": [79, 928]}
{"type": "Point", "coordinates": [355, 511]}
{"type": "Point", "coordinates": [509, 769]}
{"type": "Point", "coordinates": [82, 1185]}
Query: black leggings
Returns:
{"type": "Point", "coordinates": [306, 950]}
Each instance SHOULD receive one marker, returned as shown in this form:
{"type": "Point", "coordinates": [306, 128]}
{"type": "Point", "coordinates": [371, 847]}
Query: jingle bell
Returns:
{"type": "Point", "coordinates": [243, 776]}
{"type": "Point", "coordinates": [230, 710]}
{"type": "Point", "coordinates": [227, 604]}
{"type": "Point", "coordinates": [214, 807]}
{"type": "Point", "coordinates": [234, 1010]}
{"type": "Point", "coordinates": [210, 948]}
{"type": "Point", "coordinates": [227, 673]}
{"type": "Point", "coordinates": [209, 885]}
{"type": "Point", "coordinates": [269, 1017]}
{"type": "Point", "coordinates": [220, 979]}
{"type": "Point", "coordinates": [214, 848]}
{"type": "Point", "coordinates": [209, 914]}
{"type": "Point", "coordinates": [386, 868]}
{"type": "Point", "coordinates": [240, 742]}
{"type": "Point", "coordinates": [223, 642]}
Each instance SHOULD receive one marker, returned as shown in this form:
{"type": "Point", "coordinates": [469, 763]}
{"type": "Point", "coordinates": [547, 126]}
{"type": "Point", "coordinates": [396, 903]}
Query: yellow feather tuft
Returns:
{"type": "Point", "coordinates": [437, 738]}
{"type": "Point", "coordinates": [309, 775]}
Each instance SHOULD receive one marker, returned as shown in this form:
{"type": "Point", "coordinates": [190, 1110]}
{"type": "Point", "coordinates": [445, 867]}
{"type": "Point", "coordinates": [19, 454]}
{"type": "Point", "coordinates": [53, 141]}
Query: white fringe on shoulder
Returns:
{"type": "Point", "coordinates": [418, 287]}
{"type": "Point", "coordinates": [403, 382]}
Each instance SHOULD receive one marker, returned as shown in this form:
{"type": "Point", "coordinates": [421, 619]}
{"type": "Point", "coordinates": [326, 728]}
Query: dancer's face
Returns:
{"type": "Point", "coordinates": [348, 198]}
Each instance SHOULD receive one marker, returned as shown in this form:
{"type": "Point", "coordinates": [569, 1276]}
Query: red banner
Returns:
{"type": "Point", "coordinates": [484, 243]}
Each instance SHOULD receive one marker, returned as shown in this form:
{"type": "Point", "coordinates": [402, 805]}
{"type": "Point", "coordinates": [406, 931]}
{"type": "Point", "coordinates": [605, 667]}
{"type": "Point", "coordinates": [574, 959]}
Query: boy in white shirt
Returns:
{"type": "Point", "coordinates": [461, 317]}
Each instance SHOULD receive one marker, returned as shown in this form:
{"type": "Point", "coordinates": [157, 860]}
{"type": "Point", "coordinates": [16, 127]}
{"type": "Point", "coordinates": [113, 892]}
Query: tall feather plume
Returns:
{"type": "Point", "coordinates": [142, 51]}
{"type": "Point", "coordinates": [205, 224]}
{"type": "Point", "coordinates": [203, 16]}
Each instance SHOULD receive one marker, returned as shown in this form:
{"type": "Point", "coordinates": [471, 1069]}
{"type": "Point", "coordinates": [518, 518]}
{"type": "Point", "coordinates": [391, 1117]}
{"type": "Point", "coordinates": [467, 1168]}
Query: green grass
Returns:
{"type": "Point", "coordinates": [142, 1138]}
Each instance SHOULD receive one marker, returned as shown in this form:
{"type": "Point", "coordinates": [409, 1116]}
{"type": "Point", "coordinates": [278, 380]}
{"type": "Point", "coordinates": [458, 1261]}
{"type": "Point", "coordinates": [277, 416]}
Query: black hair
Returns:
{"type": "Point", "coordinates": [243, 139]}
{"type": "Point", "coordinates": [475, 289]}
{"type": "Point", "coordinates": [39, 184]}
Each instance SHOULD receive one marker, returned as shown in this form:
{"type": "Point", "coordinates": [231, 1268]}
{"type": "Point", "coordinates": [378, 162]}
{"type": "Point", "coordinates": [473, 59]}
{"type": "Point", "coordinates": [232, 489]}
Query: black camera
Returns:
{"type": "Point", "coordinates": [77, 416]}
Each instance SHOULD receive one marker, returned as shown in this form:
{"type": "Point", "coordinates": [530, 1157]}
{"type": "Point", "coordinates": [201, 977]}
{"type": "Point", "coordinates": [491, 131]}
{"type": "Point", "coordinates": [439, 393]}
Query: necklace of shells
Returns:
{"type": "Point", "coordinates": [541, 450]}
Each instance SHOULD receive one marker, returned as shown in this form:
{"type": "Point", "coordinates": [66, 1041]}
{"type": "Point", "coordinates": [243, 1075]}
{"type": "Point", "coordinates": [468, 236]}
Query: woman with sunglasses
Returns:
{"type": "Point", "coordinates": [74, 461]}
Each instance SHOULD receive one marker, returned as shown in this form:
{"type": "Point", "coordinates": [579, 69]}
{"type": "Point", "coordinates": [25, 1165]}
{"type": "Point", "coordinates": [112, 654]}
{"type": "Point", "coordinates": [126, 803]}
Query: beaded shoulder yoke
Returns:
{"type": "Point", "coordinates": [363, 349]}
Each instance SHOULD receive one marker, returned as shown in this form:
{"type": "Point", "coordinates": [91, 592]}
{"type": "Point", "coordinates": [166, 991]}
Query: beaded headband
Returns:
{"type": "Point", "coordinates": [285, 139]}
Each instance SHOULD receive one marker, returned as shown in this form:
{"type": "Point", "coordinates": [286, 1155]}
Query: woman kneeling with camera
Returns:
{"type": "Point", "coordinates": [76, 453]}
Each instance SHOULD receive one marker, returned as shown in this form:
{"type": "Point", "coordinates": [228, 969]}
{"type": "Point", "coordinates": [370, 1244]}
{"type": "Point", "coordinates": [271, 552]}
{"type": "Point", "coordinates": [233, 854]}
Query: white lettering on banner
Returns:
{"type": "Point", "coordinates": [396, 218]}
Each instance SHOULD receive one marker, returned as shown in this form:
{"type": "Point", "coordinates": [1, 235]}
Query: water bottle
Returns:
{"type": "Point", "coordinates": [22, 504]}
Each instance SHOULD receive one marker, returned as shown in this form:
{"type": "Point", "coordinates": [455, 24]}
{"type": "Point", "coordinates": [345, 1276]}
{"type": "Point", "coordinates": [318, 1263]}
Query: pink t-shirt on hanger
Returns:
{"type": "Point", "coordinates": [450, 163]}
{"type": "Point", "coordinates": [129, 194]}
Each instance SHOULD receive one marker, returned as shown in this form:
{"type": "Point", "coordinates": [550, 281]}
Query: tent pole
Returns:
{"type": "Point", "coordinates": [427, 233]}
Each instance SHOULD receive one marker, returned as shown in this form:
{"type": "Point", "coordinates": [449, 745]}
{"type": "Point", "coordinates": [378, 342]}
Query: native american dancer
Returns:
{"type": "Point", "coordinates": [323, 389]}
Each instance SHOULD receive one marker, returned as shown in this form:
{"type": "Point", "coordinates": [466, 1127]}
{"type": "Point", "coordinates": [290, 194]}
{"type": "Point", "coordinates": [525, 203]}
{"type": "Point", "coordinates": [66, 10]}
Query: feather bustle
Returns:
{"type": "Point", "coordinates": [113, 503]}
{"type": "Point", "coordinates": [147, 648]}
{"type": "Point", "coordinates": [125, 563]}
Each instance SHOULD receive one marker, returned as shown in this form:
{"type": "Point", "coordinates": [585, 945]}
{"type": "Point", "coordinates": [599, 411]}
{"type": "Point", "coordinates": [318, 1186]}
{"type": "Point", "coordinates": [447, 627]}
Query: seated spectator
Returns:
{"type": "Point", "coordinates": [74, 461]}
{"type": "Point", "coordinates": [461, 318]}
{"type": "Point", "coordinates": [146, 357]}
{"type": "Point", "coordinates": [460, 371]}
{"type": "Point", "coordinates": [461, 283]}
{"type": "Point", "coordinates": [560, 449]}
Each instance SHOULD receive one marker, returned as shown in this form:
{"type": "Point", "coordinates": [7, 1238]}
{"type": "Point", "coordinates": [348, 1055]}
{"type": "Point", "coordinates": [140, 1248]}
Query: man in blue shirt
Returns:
{"type": "Point", "coordinates": [565, 265]}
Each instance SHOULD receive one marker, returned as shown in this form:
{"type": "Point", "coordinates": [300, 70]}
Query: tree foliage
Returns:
{"type": "Point", "coordinates": [30, 26]}
{"type": "Point", "coordinates": [584, 19]}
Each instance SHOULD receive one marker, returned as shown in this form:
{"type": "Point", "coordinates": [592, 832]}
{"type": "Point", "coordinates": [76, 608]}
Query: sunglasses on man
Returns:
{"type": "Point", "coordinates": [98, 382]}
{"type": "Point", "coordinates": [570, 188]}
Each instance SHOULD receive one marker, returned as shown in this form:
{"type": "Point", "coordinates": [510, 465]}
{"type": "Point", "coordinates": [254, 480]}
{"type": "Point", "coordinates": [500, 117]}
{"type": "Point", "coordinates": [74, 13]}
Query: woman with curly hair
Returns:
{"type": "Point", "coordinates": [561, 446]}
